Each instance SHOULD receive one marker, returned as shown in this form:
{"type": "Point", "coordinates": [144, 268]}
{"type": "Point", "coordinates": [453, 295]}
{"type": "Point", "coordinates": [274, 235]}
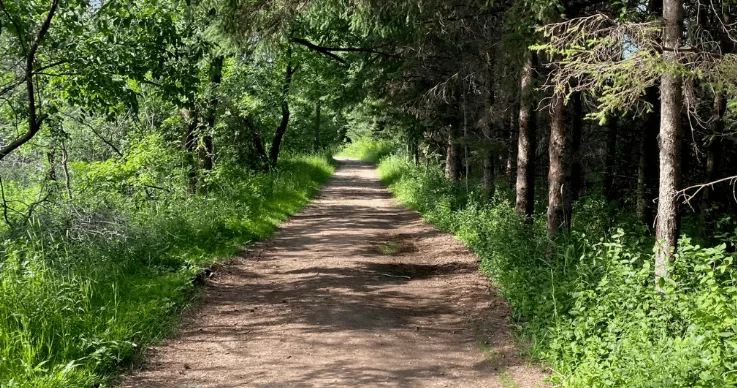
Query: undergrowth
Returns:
{"type": "Point", "coordinates": [84, 288]}
{"type": "Point", "coordinates": [591, 310]}
{"type": "Point", "coordinates": [368, 150]}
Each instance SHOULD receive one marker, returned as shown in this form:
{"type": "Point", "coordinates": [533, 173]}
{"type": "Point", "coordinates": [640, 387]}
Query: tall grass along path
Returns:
{"type": "Point", "coordinates": [353, 291]}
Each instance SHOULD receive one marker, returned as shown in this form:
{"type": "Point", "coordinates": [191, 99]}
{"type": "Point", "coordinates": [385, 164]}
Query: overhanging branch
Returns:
{"type": "Point", "coordinates": [322, 50]}
{"type": "Point", "coordinates": [34, 120]}
{"type": "Point", "coordinates": [330, 51]}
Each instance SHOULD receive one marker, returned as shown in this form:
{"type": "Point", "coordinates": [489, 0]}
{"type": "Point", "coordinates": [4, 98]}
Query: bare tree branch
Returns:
{"type": "Point", "coordinates": [688, 197]}
{"type": "Point", "coordinates": [34, 120]}
{"type": "Point", "coordinates": [322, 50]}
{"type": "Point", "coordinates": [109, 143]}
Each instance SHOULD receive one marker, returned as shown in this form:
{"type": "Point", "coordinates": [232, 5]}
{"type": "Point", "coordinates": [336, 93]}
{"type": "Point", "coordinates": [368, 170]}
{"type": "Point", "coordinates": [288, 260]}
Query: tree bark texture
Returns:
{"type": "Point", "coordinates": [577, 177]}
{"type": "Point", "coordinates": [282, 128]}
{"type": "Point", "coordinates": [454, 151]}
{"type": "Point", "coordinates": [511, 168]}
{"type": "Point", "coordinates": [559, 186]}
{"type": "Point", "coordinates": [35, 120]}
{"type": "Point", "coordinates": [464, 112]}
{"type": "Point", "coordinates": [454, 154]}
{"type": "Point", "coordinates": [526, 143]}
{"type": "Point", "coordinates": [488, 128]}
{"type": "Point", "coordinates": [317, 127]}
{"type": "Point", "coordinates": [668, 219]}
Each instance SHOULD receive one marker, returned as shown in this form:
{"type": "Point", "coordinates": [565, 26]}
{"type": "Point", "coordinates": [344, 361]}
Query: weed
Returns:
{"type": "Point", "coordinates": [368, 150]}
{"type": "Point", "coordinates": [395, 247]}
{"type": "Point", "coordinates": [491, 355]}
{"type": "Point", "coordinates": [507, 381]}
{"type": "Point", "coordinates": [83, 290]}
{"type": "Point", "coordinates": [591, 310]}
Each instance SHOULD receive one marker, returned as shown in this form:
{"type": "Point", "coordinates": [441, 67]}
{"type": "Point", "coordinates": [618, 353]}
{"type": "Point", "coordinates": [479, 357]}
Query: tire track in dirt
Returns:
{"type": "Point", "coordinates": [353, 291]}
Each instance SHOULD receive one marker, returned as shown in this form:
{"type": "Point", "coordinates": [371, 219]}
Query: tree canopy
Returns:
{"type": "Point", "coordinates": [115, 114]}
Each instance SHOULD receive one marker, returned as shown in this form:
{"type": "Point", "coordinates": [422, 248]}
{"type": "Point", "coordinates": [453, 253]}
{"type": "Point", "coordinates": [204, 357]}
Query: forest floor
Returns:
{"type": "Point", "coordinates": [353, 291]}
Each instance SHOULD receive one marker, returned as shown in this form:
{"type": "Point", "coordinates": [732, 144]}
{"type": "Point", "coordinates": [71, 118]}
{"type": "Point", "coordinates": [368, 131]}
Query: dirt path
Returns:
{"type": "Point", "coordinates": [353, 291]}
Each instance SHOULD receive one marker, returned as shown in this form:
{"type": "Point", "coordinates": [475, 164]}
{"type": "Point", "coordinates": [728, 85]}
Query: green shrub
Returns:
{"type": "Point", "coordinates": [368, 150]}
{"type": "Point", "coordinates": [591, 309]}
{"type": "Point", "coordinates": [85, 288]}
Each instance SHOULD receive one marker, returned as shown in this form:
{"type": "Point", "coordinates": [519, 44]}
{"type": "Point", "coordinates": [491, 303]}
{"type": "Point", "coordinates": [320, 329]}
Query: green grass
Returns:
{"type": "Point", "coordinates": [507, 381]}
{"type": "Point", "coordinates": [491, 355]}
{"type": "Point", "coordinates": [389, 248]}
{"type": "Point", "coordinates": [591, 310]}
{"type": "Point", "coordinates": [395, 246]}
{"type": "Point", "coordinates": [82, 292]}
{"type": "Point", "coordinates": [368, 150]}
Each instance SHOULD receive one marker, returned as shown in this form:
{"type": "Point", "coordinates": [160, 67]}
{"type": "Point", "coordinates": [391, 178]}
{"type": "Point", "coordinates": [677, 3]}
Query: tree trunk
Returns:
{"type": "Point", "coordinates": [190, 147]}
{"type": "Point", "coordinates": [464, 112]}
{"type": "Point", "coordinates": [559, 186]}
{"type": "Point", "coordinates": [648, 163]}
{"type": "Point", "coordinates": [51, 158]}
{"type": "Point", "coordinates": [511, 168]}
{"type": "Point", "coordinates": [35, 120]}
{"type": "Point", "coordinates": [453, 155]}
{"type": "Point", "coordinates": [317, 126]}
{"type": "Point", "coordinates": [65, 168]}
{"type": "Point", "coordinates": [282, 129]}
{"type": "Point", "coordinates": [415, 142]}
{"type": "Point", "coordinates": [216, 76]}
{"type": "Point", "coordinates": [647, 170]}
{"type": "Point", "coordinates": [713, 147]}
{"type": "Point", "coordinates": [577, 178]}
{"type": "Point", "coordinates": [279, 134]}
{"type": "Point", "coordinates": [487, 128]}
{"type": "Point", "coordinates": [205, 153]}
{"type": "Point", "coordinates": [611, 158]}
{"type": "Point", "coordinates": [668, 220]}
{"type": "Point", "coordinates": [526, 144]}
{"type": "Point", "coordinates": [262, 160]}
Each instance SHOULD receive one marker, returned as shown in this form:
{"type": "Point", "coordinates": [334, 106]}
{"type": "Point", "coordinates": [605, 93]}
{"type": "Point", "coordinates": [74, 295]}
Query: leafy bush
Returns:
{"type": "Point", "coordinates": [368, 150]}
{"type": "Point", "coordinates": [85, 287]}
{"type": "Point", "coordinates": [591, 309]}
{"type": "Point", "coordinates": [146, 165]}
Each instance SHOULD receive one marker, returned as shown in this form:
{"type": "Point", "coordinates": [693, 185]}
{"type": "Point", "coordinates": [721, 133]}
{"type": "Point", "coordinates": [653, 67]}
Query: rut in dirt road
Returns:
{"type": "Point", "coordinates": [353, 291]}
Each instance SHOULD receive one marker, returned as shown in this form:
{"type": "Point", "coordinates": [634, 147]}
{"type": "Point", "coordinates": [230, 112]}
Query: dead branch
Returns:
{"type": "Point", "coordinates": [94, 131]}
{"type": "Point", "coordinates": [687, 197]}
{"type": "Point", "coordinates": [616, 62]}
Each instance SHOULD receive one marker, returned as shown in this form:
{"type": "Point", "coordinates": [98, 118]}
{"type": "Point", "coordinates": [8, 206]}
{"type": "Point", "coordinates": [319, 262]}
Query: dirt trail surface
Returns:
{"type": "Point", "coordinates": [353, 291]}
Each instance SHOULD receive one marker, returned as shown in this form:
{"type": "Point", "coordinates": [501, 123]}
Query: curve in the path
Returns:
{"type": "Point", "coordinates": [353, 291]}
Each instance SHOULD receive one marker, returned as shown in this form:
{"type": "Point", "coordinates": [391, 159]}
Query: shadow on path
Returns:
{"type": "Point", "coordinates": [353, 291]}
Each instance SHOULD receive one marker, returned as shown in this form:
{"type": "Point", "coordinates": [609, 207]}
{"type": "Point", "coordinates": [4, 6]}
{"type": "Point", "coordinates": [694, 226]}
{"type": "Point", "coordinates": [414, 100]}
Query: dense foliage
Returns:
{"type": "Point", "coordinates": [141, 139]}
{"type": "Point", "coordinates": [368, 150]}
{"type": "Point", "coordinates": [141, 142]}
{"type": "Point", "coordinates": [86, 286]}
{"type": "Point", "coordinates": [613, 124]}
{"type": "Point", "coordinates": [591, 309]}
